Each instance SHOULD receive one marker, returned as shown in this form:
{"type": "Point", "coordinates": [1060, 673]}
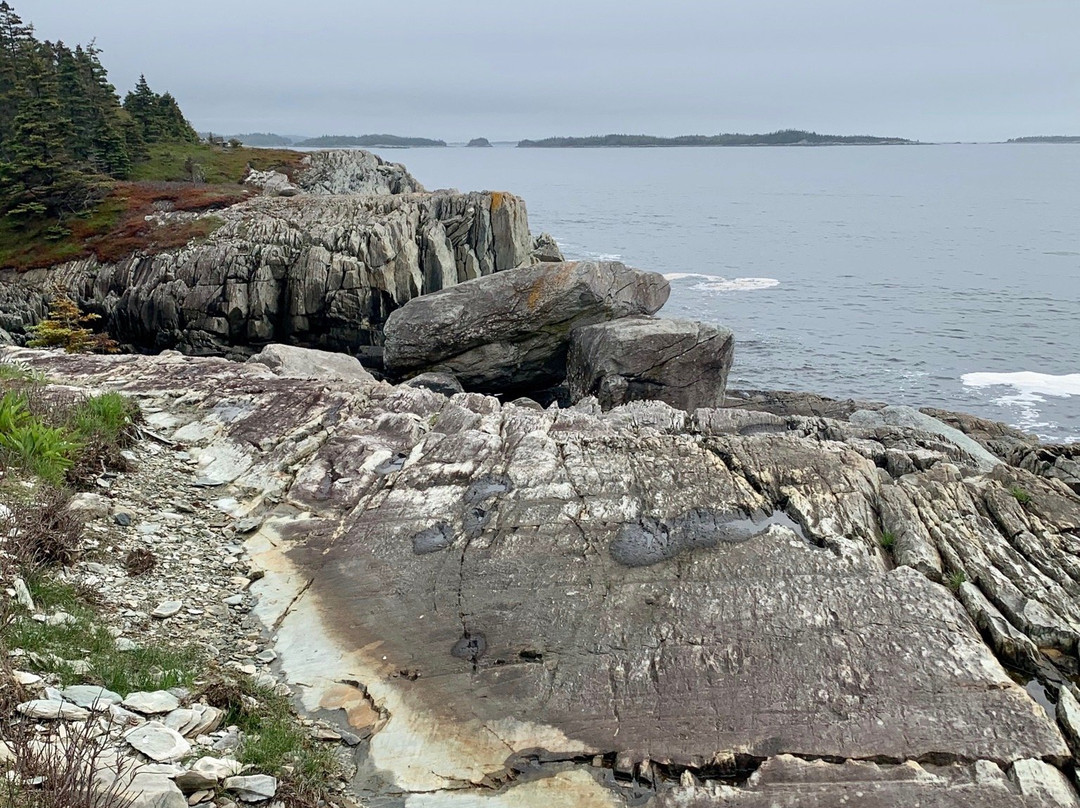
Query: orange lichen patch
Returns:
{"type": "Point", "coordinates": [540, 286]}
{"type": "Point", "coordinates": [497, 200]}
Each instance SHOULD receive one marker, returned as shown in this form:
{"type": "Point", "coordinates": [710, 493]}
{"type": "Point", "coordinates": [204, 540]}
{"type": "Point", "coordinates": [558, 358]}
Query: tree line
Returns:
{"type": "Point", "coordinates": [785, 137]}
{"type": "Point", "coordinates": [64, 132]}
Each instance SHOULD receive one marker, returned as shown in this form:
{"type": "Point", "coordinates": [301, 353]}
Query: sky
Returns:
{"type": "Point", "coordinates": [932, 70]}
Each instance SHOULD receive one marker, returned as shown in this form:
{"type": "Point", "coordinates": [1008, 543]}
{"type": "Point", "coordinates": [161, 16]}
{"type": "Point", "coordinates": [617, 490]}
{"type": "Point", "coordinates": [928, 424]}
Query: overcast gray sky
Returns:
{"type": "Point", "coordinates": [926, 69]}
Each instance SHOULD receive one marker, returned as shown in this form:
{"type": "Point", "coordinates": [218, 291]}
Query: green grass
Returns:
{"type": "Point", "coordinates": [956, 580]}
{"type": "Point", "coordinates": [14, 372]}
{"type": "Point", "coordinates": [167, 162]}
{"type": "Point", "coordinates": [888, 540]}
{"type": "Point", "coordinates": [47, 449]}
{"type": "Point", "coordinates": [1020, 495]}
{"type": "Point", "coordinates": [86, 638]}
{"type": "Point", "coordinates": [107, 417]}
{"type": "Point", "coordinates": [274, 739]}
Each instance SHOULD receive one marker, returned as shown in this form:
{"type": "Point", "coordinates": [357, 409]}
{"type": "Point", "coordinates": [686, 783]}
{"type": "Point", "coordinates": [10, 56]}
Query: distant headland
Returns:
{"type": "Point", "coordinates": [785, 137]}
{"type": "Point", "coordinates": [265, 139]}
{"type": "Point", "coordinates": [1046, 139]}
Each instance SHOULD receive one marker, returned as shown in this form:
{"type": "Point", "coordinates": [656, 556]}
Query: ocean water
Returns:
{"type": "Point", "coordinates": [943, 276]}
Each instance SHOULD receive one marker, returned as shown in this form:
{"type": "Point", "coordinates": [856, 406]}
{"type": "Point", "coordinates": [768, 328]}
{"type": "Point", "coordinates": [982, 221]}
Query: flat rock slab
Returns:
{"type": "Point", "coordinates": [154, 703]}
{"type": "Point", "coordinates": [253, 788]}
{"type": "Point", "coordinates": [53, 709]}
{"type": "Point", "coordinates": [91, 696]}
{"type": "Point", "coordinates": [490, 589]}
{"type": "Point", "coordinates": [158, 742]}
{"type": "Point", "coordinates": [787, 782]}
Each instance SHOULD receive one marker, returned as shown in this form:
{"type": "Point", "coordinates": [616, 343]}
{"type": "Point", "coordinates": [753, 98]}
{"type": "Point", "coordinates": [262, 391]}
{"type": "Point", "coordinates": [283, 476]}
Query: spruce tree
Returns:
{"type": "Point", "coordinates": [38, 178]}
{"type": "Point", "coordinates": [16, 40]}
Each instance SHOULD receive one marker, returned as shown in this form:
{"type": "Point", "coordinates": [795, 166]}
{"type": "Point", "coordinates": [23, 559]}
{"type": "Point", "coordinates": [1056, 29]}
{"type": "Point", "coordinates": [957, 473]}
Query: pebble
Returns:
{"type": "Point", "coordinates": [123, 519]}
{"type": "Point", "coordinates": [234, 600]}
{"type": "Point", "coordinates": [167, 609]}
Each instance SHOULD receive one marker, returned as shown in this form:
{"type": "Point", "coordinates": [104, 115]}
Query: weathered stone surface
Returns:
{"type": "Point", "coordinates": [355, 171]}
{"type": "Point", "coordinates": [291, 362]}
{"type": "Point", "coordinates": [252, 788]}
{"type": "Point", "coordinates": [445, 384]}
{"type": "Point", "coordinates": [788, 782]}
{"type": "Point", "coordinates": [157, 702]}
{"type": "Point", "coordinates": [89, 506]}
{"type": "Point", "coordinates": [545, 250]}
{"type": "Point", "coordinates": [512, 330]}
{"type": "Point", "coordinates": [486, 589]}
{"type": "Point", "coordinates": [52, 709]}
{"type": "Point", "coordinates": [158, 742]}
{"type": "Point", "coordinates": [681, 362]}
{"type": "Point", "coordinates": [207, 772]}
{"type": "Point", "coordinates": [91, 696]}
{"type": "Point", "coordinates": [316, 270]}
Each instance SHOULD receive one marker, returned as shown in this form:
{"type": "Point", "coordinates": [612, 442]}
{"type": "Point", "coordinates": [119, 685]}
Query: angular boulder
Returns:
{"type": "Point", "coordinates": [682, 362]}
{"type": "Point", "coordinates": [512, 330]}
{"type": "Point", "coordinates": [310, 363]}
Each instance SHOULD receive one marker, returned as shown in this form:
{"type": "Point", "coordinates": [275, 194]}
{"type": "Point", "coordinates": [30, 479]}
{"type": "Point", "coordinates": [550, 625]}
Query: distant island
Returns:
{"type": "Point", "coordinates": [265, 139]}
{"type": "Point", "coordinates": [786, 137]}
{"type": "Point", "coordinates": [1046, 139]}
{"type": "Point", "coordinates": [481, 142]}
{"type": "Point", "coordinates": [369, 140]}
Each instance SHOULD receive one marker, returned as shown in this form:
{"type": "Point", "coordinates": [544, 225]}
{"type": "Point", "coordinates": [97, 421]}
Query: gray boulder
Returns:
{"type": "Point", "coordinates": [682, 362]}
{"type": "Point", "coordinates": [309, 363]}
{"type": "Point", "coordinates": [546, 250]}
{"type": "Point", "coordinates": [445, 384]}
{"type": "Point", "coordinates": [512, 330]}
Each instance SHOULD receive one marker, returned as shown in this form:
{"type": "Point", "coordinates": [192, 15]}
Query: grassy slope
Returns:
{"type": "Point", "coordinates": [117, 226]}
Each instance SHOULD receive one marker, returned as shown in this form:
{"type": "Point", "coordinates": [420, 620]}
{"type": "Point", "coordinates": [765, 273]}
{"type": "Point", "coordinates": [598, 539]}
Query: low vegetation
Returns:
{"type": "Point", "coordinates": [274, 740]}
{"type": "Point", "coordinates": [1020, 495]}
{"type": "Point", "coordinates": [80, 170]}
{"type": "Point", "coordinates": [888, 540]}
{"type": "Point", "coordinates": [52, 442]}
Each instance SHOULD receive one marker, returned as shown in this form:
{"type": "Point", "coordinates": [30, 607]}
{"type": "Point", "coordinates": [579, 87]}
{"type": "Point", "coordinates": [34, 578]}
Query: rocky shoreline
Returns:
{"type": "Point", "coordinates": [517, 605]}
{"type": "Point", "coordinates": [544, 556]}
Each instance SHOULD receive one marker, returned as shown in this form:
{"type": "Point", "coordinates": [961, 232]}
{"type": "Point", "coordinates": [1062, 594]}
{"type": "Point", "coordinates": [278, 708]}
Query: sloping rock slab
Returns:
{"type": "Point", "coordinates": [787, 782]}
{"type": "Point", "coordinates": [512, 330]}
{"type": "Point", "coordinates": [682, 362]}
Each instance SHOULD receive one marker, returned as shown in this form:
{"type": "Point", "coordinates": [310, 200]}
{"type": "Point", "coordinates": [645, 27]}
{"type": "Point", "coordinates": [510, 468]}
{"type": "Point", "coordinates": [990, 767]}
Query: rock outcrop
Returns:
{"type": "Point", "coordinates": [681, 362]}
{"type": "Point", "coordinates": [644, 606]}
{"type": "Point", "coordinates": [322, 269]}
{"type": "Point", "coordinates": [307, 363]}
{"type": "Point", "coordinates": [512, 330]}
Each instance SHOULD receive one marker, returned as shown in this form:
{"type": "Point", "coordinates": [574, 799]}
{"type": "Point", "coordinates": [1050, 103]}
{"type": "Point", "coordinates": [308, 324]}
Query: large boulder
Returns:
{"type": "Point", "coordinates": [512, 330]}
{"type": "Point", "coordinates": [308, 363]}
{"type": "Point", "coordinates": [682, 362]}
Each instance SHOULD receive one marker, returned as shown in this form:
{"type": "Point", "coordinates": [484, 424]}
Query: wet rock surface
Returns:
{"type": "Point", "coordinates": [681, 362]}
{"type": "Point", "coordinates": [512, 330]}
{"type": "Point", "coordinates": [459, 580]}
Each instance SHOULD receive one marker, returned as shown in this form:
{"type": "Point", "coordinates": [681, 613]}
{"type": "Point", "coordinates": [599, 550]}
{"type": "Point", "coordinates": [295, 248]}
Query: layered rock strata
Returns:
{"type": "Point", "coordinates": [322, 268]}
{"type": "Point", "coordinates": [644, 606]}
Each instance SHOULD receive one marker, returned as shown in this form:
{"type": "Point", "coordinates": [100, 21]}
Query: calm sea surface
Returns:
{"type": "Point", "coordinates": [934, 275]}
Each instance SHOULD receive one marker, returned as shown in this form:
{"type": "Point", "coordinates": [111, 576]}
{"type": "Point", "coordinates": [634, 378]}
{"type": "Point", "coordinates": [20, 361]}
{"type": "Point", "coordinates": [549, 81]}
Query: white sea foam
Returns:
{"type": "Point", "coordinates": [714, 283]}
{"type": "Point", "coordinates": [1029, 389]}
{"type": "Point", "coordinates": [1028, 383]}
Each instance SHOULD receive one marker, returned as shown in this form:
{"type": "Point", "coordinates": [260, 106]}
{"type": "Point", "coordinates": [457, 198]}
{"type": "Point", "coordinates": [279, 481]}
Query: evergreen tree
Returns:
{"type": "Point", "coordinates": [16, 40]}
{"type": "Point", "coordinates": [38, 178]}
{"type": "Point", "coordinates": [158, 117]}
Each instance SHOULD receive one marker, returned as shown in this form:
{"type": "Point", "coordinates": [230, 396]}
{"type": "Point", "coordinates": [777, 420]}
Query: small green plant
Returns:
{"type": "Point", "coordinates": [15, 372]}
{"type": "Point", "coordinates": [888, 540]}
{"type": "Point", "coordinates": [68, 328]}
{"type": "Point", "coordinates": [1020, 495]}
{"type": "Point", "coordinates": [109, 417]}
{"type": "Point", "coordinates": [956, 580]}
{"type": "Point", "coordinates": [29, 444]}
{"type": "Point", "coordinates": [275, 739]}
